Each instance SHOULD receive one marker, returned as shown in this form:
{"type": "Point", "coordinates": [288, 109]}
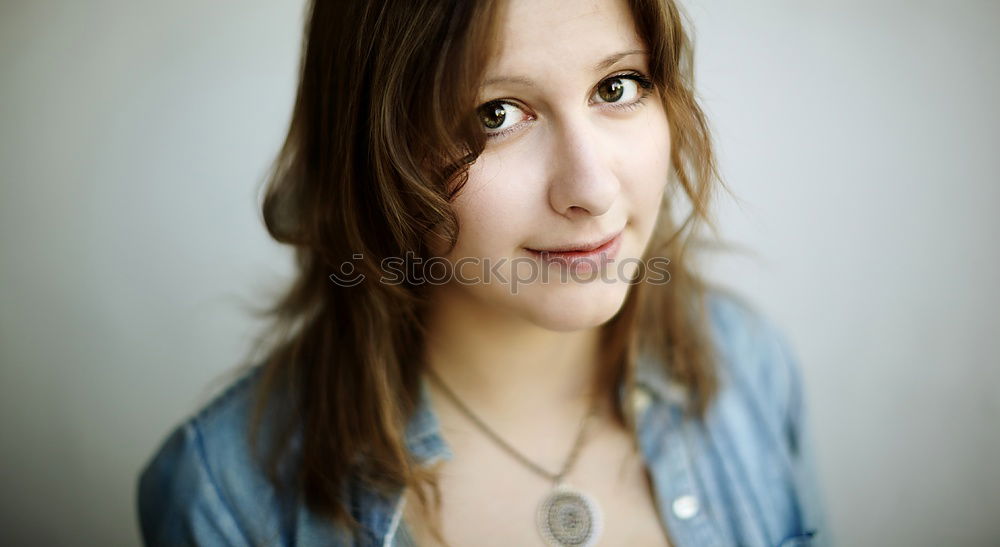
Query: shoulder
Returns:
{"type": "Point", "coordinates": [761, 410]}
{"type": "Point", "coordinates": [202, 485]}
{"type": "Point", "coordinates": [755, 356]}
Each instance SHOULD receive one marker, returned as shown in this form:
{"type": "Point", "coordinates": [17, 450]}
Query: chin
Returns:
{"type": "Point", "coordinates": [571, 307]}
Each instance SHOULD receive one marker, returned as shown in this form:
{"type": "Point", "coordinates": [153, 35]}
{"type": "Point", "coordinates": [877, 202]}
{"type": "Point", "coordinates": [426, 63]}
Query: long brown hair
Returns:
{"type": "Point", "coordinates": [378, 145]}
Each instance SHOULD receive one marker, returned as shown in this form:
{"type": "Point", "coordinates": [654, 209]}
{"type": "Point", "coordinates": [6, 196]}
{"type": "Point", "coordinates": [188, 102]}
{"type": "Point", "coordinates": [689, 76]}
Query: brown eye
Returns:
{"type": "Point", "coordinates": [611, 90]}
{"type": "Point", "coordinates": [499, 116]}
{"type": "Point", "coordinates": [492, 115]}
{"type": "Point", "coordinates": [623, 90]}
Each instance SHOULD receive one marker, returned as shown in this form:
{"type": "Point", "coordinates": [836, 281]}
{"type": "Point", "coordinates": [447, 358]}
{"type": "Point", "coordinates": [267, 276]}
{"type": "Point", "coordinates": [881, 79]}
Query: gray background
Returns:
{"type": "Point", "coordinates": [860, 138]}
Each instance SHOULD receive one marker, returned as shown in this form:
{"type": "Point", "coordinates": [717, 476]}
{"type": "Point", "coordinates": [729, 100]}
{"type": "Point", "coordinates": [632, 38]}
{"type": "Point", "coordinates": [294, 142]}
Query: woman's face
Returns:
{"type": "Point", "coordinates": [578, 152]}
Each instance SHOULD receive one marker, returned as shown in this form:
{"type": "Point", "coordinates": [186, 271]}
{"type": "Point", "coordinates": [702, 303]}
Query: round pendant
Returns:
{"type": "Point", "coordinates": [569, 517]}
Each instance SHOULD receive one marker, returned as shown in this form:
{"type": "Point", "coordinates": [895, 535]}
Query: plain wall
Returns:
{"type": "Point", "coordinates": [859, 137]}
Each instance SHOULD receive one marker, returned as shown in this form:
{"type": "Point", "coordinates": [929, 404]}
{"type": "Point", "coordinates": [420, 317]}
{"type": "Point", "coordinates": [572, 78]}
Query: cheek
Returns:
{"type": "Point", "coordinates": [490, 210]}
{"type": "Point", "coordinates": [647, 162]}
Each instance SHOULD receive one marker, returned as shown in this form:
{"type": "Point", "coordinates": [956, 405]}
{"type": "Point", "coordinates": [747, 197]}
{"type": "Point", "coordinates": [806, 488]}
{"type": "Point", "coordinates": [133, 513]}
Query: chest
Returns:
{"type": "Point", "coordinates": [489, 498]}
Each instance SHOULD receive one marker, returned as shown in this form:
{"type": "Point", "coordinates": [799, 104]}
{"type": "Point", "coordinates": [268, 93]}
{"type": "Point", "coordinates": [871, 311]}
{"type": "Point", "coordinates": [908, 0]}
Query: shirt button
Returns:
{"type": "Point", "coordinates": [685, 507]}
{"type": "Point", "coordinates": [640, 400]}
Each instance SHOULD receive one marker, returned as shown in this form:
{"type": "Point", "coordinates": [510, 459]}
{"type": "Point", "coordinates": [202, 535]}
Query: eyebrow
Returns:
{"type": "Point", "coordinates": [615, 57]}
{"type": "Point", "coordinates": [601, 65]}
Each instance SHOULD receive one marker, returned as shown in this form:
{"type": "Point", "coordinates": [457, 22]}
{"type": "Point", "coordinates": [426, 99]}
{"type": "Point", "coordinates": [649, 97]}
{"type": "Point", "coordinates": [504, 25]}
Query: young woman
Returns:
{"type": "Point", "coordinates": [496, 335]}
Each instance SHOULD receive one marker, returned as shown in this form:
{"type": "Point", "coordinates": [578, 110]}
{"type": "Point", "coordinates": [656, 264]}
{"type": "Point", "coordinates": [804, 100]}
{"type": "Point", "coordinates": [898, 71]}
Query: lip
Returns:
{"type": "Point", "coordinates": [584, 258]}
{"type": "Point", "coordinates": [579, 247]}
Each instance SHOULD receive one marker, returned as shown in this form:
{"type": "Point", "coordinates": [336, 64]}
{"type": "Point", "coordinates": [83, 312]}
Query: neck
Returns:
{"type": "Point", "coordinates": [506, 368]}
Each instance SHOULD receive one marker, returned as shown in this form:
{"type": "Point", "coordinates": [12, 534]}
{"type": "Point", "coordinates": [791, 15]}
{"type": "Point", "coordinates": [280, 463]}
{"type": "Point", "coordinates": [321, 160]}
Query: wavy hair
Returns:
{"type": "Point", "coordinates": [379, 143]}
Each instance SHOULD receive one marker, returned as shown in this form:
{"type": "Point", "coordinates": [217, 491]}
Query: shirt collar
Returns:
{"type": "Point", "coordinates": [423, 432]}
{"type": "Point", "coordinates": [653, 377]}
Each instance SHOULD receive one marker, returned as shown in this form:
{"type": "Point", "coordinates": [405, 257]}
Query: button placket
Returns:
{"type": "Point", "coordinates": [680, 501]}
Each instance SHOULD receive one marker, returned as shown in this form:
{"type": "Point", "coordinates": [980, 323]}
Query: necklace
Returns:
{"type": "Point", "coordinates": [566, 516]}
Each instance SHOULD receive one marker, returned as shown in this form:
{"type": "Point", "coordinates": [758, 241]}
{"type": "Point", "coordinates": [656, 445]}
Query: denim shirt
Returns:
{"type": "Point", "coordinates": [745, 475]}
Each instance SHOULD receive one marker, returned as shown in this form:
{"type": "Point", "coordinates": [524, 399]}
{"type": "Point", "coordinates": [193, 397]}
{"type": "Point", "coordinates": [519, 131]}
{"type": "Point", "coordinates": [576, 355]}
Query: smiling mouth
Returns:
{"type": "Point", "coordinates": [585, 258]}
{"type": "Point", "coordinates": [580, 248]}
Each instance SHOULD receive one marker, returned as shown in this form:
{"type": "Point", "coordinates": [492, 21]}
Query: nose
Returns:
{"type": "Point", "coordinates": [581, 180]}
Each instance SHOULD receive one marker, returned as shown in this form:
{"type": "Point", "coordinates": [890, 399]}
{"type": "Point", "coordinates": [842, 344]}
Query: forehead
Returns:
{"type": "Point", "coordinates": [555, 36]}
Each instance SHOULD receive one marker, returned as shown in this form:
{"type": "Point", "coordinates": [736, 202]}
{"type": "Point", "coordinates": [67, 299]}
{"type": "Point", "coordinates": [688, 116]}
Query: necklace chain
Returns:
{"type": "Point", "coordinates": [555, 477]}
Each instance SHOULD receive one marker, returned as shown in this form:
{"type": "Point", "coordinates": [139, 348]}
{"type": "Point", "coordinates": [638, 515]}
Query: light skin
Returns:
{"type": "Point", "coordinates": [568, 165]}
